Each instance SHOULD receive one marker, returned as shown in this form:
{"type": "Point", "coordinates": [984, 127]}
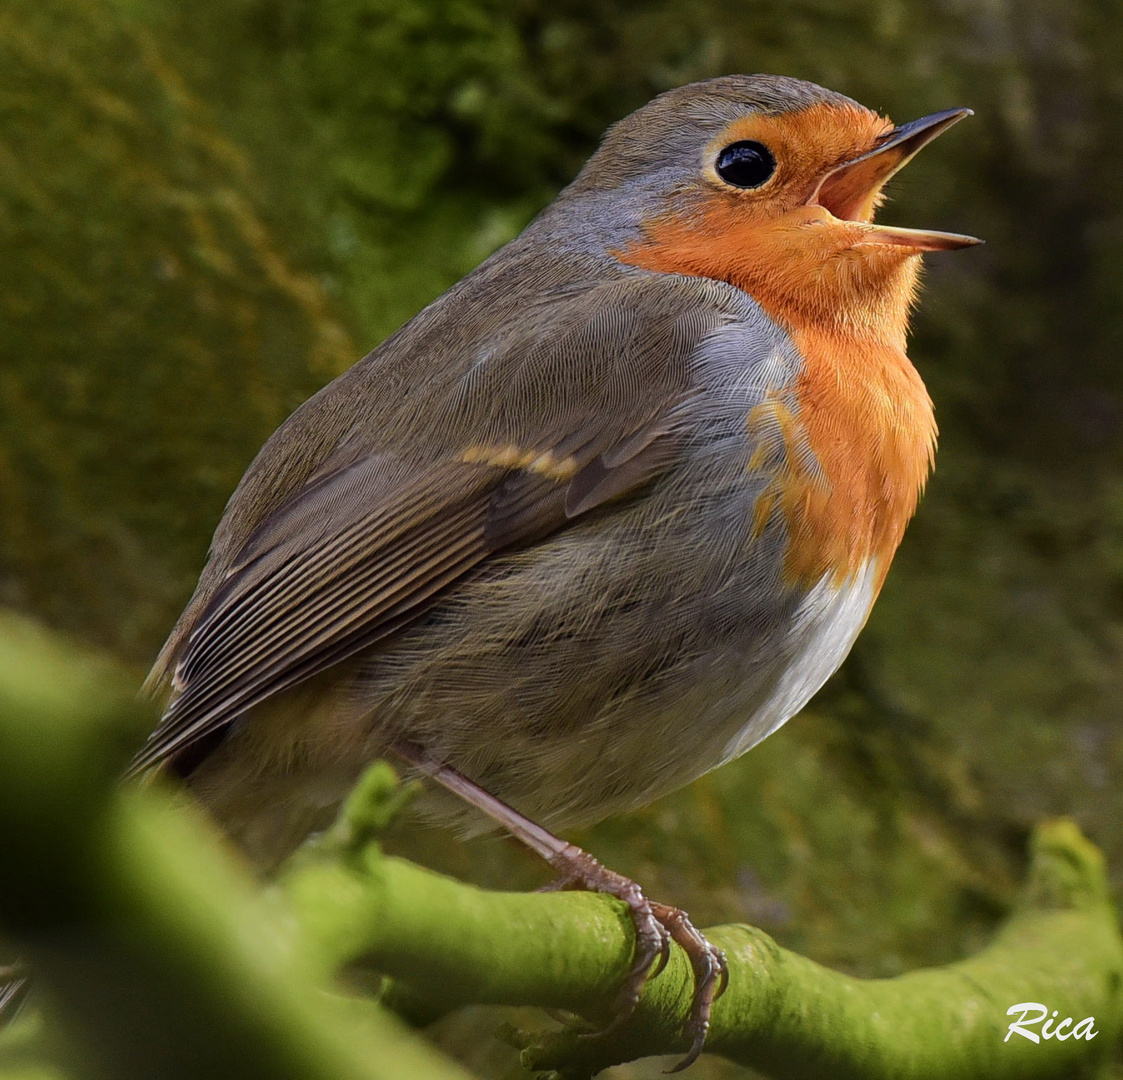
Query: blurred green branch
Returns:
{"type": "Point", "coordinates": [155, 957]}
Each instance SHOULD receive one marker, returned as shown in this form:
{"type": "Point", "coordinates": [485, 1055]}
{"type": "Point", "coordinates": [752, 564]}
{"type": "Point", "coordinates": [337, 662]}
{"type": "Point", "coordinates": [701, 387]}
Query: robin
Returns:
{"type": "Point", "coordinates": [597, 520]}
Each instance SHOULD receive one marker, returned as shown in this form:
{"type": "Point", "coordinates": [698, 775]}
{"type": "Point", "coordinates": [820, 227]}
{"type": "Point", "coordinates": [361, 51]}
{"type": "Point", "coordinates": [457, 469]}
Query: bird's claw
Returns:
{"type": "Point", "coordinates": [656, 926]}
{"type": "Point", "coordinates": [711, 977]}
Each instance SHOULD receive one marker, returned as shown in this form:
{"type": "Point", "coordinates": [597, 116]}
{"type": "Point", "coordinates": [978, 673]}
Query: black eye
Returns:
{"type": "Point", "coordinates": [745, 164]}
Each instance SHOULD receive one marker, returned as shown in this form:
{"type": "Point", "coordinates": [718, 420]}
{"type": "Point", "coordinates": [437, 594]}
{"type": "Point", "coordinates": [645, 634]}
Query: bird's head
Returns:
{"type": "Point", "coordinates": [771, 184]}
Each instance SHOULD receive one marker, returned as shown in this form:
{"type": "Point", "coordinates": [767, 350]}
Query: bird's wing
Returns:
{"type": "Point", "coordinates": [590, 409]}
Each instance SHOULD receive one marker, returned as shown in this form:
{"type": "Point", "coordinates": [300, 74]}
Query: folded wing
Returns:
{"type": "Point", "coordinates": [376, 534]}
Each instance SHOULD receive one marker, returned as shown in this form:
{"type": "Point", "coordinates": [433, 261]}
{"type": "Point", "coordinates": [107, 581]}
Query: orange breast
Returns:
{"type": "Point", "coordinates": [862, 408]}
{"type": "Point", "coordinates": [868, 419]}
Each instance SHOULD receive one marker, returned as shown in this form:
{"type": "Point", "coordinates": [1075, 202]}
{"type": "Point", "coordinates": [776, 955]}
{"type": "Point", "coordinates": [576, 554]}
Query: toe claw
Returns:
{"type": "Point", "coordinates": [723, 977]}
{"type": "Point", "coordinates": [664, 956]}
{"type": "Point", "coordinates": [692, 1055]}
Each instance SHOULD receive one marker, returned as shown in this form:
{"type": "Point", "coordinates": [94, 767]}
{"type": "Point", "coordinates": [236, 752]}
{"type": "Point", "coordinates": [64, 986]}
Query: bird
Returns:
{"type": "Point", "coordinates": [597, 520]}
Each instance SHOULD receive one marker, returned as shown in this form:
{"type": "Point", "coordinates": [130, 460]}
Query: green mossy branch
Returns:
{"type": "Point", "coordinates": [156, 957]}
{"type": "Point", "coordinates": [452, 944]}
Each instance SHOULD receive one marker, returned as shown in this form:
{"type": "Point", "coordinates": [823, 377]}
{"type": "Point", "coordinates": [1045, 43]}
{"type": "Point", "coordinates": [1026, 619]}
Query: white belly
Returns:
{"type": "Point", "coordinates": [825, 626]}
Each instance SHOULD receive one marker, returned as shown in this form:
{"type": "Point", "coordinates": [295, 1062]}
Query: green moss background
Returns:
{"type": "Point", "coordinates": [207, 210]}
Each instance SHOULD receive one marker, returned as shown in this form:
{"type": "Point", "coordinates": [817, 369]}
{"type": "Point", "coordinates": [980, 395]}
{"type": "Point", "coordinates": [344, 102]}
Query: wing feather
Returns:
{"type": "Point", "coordinates": [373, 536]}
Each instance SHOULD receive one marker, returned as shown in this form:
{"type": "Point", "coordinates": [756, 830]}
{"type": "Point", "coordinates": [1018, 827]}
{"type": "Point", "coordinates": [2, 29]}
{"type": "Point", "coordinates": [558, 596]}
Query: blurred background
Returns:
{"type": "Point", "coordinates": [209, 210]}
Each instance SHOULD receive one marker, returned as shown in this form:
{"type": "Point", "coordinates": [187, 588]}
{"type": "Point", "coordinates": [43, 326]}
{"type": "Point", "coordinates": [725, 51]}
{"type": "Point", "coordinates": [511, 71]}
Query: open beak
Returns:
{"type": "Point", "coordinates": [851, 191]}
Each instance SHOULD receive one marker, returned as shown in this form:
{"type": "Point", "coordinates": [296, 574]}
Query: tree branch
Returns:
{"type": "Point", "coordinates": [452, 944]}
{"type": "Point", "coordinates": [155, 957]}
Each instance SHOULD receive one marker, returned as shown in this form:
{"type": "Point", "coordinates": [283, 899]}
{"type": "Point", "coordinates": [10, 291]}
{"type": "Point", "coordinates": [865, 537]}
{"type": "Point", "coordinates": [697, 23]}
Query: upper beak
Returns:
{"type": "Point", "coordinates": [850, 191]}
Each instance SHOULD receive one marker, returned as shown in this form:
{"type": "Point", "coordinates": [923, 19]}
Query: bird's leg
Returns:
{"type": "Point", "coordinates": [656, 925]}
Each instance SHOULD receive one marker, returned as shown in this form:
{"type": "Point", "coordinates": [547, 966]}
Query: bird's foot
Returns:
{"type": "Point", "coordinates": [656, 926]}
{"type": "Point", "coordinates": [580, 870]}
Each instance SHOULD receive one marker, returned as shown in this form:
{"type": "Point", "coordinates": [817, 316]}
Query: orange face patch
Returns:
{"type": "Point", "coordinates": [793, 257]}
{"type": "Point", "coordinates": [862, 408]}
{"type": "Point", "coordinates": [805, 144]}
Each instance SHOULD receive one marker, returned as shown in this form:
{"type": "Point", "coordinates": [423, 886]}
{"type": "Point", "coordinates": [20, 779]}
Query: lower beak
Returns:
{"type": "Point", "coordinates": [852, 191]}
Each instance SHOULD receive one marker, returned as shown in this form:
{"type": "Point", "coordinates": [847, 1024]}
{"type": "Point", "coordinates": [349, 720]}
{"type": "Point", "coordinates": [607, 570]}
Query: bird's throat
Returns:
{"type": "Point", "coordinates": [805, 268]}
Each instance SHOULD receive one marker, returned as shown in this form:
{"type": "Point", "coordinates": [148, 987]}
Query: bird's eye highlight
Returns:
{"type": "Point", "coordinates": [745, 164]}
